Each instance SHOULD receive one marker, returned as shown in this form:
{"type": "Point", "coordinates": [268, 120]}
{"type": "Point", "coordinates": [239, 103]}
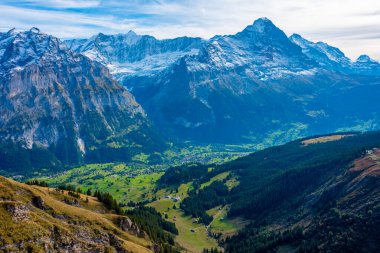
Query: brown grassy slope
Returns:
{"type": "Point", "coordinates": [327, 138]}
{"type": "Point", "coordinates": [36, 219]}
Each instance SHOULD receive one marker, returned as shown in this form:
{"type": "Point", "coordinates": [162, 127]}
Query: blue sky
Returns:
{"type": "Point", "coordinates": [351, 25]}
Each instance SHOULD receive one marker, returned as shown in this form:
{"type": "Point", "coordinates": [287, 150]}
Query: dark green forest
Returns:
{"type": "Point", "coordinates": [273, 183]}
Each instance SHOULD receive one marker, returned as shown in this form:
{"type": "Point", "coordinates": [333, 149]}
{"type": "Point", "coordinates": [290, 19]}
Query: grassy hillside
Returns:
{"type": "Point", "coordinates": [38, 219]}
{"type": "Point", "coordinates": [131, 183]}
{"type": "Point", "coordinates": [125, 183]}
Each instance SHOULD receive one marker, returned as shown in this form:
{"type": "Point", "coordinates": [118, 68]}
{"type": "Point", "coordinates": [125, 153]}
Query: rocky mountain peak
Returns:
{"type": "Point", "coordinates": [51, 97]}
{"type": "Point", "coordinates": [22, 48]}
{"type": "Point", "coordinates": [323, 53]}
{"type": "Point", "coordinates": [263, 27]}
{"type": "Point", "coordinates": [34, 30]}
{"type": "Point", "coordinates": [365, 59]}
{"type": "Point", "coordinates": [134, 54]}
{"type": "Point", "coordinates": [12, 31]}
{"type": "Point", "coordinates": [264, 35]}
{"type": "Point", "coordinates": [263, 24]}
{"type": "Point", "coordinates": [299, 40]}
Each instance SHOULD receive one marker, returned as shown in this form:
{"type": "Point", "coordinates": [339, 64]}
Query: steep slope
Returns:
{"type": "Point", "coordinates": [350, 209]}
{"type": "Point", "coordinates": [37, 219]}
{"type": "Point", "coordinates": [52, 98]}
{"type": "Point", "coordinates": [326, 55]}
{"type": "Point", "coordinates": [337, 214]}
{"type": "Point", "coordinates": [134, 55]}
{"type": "Point", "coordinates": [319, 194]}
{"type": "Point", "coordinates": [252, 85]}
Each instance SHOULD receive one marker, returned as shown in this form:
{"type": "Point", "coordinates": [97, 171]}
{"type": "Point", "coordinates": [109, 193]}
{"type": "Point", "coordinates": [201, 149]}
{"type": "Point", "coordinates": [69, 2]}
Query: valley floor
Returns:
{"type": "Point", "coordinates": [127, 184]}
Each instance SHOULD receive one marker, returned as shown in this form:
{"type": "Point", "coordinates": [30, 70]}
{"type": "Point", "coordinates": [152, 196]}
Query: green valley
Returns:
{"type": "Point", "coordinates": [213, 204]}
{"type": "Point", "coordinates": [137, 184]}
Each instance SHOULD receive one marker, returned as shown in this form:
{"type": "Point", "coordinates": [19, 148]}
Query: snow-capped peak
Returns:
{"type": "Point", "coordinates": [321, 52]}
{"type": "Point", "coordinates": [13, 31]}
{"type": "Point", "coordinates": [263, 23]}
{"type": "Point", "coordinates": [299, 40]}
{"type": "Point", "coordinates": [260, 26]}
{"type": "Point", "coordinates": [34, 30]}
{"type": "Point", "coordinates": [131, 37]}
{"type": "Point", "coordinates": [22, 48]}
{"type": "Point", "coordinates": [365, 59]}
{"type": "Point", "coordinates": [131, 53]}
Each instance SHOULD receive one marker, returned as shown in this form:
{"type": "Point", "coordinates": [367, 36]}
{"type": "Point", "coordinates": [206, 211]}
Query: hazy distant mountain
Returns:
{"type": "Point", "coordinates": [367, 66]}
{"type": "Point", "coordinates": [55, 99]}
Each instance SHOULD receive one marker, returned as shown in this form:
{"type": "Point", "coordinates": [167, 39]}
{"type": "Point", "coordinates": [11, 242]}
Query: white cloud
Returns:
{"type": "Point", "coordinates": [59, 23]}
{"type": "Point", "coordinates": [59, 4]}
{"type": "Point", "coordinates": [350, 25]}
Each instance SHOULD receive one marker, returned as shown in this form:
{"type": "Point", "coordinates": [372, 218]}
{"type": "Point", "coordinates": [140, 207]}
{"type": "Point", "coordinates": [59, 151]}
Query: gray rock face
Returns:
{"type": "Point", "coordinates": [18, 211]}
{"type": "Point", "coordinates": [53, 98]}
{"type": "Point", "coordinates": [127, 225]}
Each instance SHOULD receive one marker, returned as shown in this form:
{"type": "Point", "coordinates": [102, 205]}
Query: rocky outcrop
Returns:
{"type": "Point", "coordinates": [116, 244]}
{"type": "Point", "coordinates": [18, 211]}
{"type": "Point", "coordinates": [127, 225]}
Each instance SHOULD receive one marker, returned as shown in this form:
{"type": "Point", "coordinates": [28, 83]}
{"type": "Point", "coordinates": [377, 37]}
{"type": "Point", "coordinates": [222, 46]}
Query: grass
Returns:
{"type": "Point", "coordinates": [231, 183]}
{"type": "Point", "coordinates": [323, 139]}
{"type": "Point", "coordinates": [125, 183]}
{"type": "Point", "coordinates": [137, 183]}
{"type": "Point", "coordinates": [118, 180]}
{"type": "Point", "coordinates": [206, 154]}
{"type": "Point", "coordinates": [227, 227]}
{"type": "Point", "coordinates": [38, 225]}
{"type": "Point", "coordinates": [221, 224]}
{"type": "Point", "coordinates": [199, 240]}
{"type": "Point", "coordinates": [218, 177]}
{"type": "Point", "coordinates": [190, 241]}
{"type": "Point", "coordinates": [143, 158]}
{"type": "Point", "coordinates": [286, 133]}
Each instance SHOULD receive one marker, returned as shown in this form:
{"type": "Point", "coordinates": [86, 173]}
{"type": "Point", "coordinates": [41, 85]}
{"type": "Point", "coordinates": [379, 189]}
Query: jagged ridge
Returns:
{"type": "Point", "coordinates": [55, 99]}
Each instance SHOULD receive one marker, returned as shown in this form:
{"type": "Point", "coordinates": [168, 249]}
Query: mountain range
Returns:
{"type": "Point", "coordinates": [110, 97]}
{"type": "Point", "coordinates": [258, 83]}
{"type": "Point", "coordinates": [64, 106]}
{"type": "Point", "coordinates": [75, 114]}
